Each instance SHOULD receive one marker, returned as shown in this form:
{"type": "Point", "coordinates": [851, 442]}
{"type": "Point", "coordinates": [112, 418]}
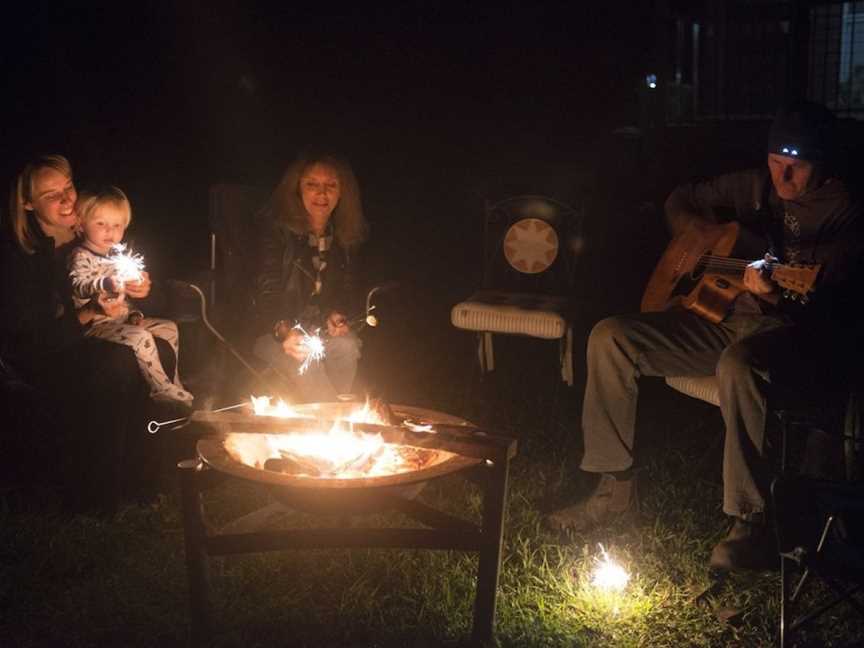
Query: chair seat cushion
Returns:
{"type": "Point", "coordinates": [540, 316]}
{"type": "Point", "coordinates": [704, 388]}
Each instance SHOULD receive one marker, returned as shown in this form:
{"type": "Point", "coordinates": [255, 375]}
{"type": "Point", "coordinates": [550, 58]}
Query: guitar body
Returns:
{"type": "Point", "coordinates": [696, 272]}
{"type": "Point", "coordinates": [676, 281]}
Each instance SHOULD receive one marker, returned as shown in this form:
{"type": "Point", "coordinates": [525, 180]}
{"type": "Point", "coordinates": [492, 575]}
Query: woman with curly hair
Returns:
{"type": "Point", "coordinates": [310, 232]}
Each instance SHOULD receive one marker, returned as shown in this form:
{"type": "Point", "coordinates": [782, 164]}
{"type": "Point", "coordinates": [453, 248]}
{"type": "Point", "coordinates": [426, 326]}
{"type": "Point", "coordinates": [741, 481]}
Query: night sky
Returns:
{"type": "Point", "coordinates": [431, 101]}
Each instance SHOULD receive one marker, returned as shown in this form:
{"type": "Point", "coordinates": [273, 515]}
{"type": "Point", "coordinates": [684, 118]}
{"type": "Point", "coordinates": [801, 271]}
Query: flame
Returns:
{"type": "Point", "coordinates": [264, 406]}
{"type": "Point", "coordinates": [340, 452]}
{"type": "Point", "coordinates": [609, 575]}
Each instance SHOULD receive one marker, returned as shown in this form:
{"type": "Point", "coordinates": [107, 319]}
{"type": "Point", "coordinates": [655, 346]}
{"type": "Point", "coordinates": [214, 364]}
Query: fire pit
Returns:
{"type": "Point", "coordinates": [326, 465]}
{"type": "Point", "coordinates": [368, 464]}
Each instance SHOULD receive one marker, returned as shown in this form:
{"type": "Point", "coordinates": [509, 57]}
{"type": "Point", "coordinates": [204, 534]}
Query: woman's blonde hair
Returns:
{"type": "Point", "coordinates": [89, 203]}
{"type": "Point", "coordinates": [22, 192]}
{"type": "Point", "coordinates": [350, 227]}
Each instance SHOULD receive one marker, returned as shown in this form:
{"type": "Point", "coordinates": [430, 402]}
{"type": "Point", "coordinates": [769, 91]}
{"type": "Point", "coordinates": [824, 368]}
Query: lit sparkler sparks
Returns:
{"type": "Point", "coordinates": [128, 266]}
{"type": "Point", "coordinates": [315, 346]}
{"type": "Point", "coordinates": [609, 575]}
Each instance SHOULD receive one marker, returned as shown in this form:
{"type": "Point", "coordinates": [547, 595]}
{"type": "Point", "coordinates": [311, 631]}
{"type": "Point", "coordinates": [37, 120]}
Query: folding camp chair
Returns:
{"type": "Point", "coordinates": [832, 552]}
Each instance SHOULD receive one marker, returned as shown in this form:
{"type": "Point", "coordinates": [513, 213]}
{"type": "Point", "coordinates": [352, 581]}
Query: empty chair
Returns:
{"type": "Point", "coordinates": [233, 208]}
{"type": "Point", "coordinates": [530, 249]}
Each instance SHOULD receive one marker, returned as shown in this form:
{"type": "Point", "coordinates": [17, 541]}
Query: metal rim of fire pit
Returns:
{"type": "Point", "coordinates": [212, 451]}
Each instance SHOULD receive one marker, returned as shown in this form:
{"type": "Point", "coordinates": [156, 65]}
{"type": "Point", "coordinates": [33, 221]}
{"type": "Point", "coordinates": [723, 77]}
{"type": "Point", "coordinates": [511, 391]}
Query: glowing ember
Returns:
{"type": "Point", "coordinates": [128, 266]}
{"type": "Point", "coordinates": [340, 452]}
{"type": "Point", "coordinates": [314, 344]}
{"type": "Point", "coordinates": [609, 575]}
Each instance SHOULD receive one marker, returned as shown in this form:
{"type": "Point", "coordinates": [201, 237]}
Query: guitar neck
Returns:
{"type": "Point", "coordinates": [797, 278]}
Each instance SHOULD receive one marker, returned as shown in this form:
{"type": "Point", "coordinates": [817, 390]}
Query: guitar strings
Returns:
{"type": "Point", "coordinates": [709, 262]}
{"type": "Point", "coordinates": [712, 263]}
{"type": "Point", "coordinates": [723, 261]}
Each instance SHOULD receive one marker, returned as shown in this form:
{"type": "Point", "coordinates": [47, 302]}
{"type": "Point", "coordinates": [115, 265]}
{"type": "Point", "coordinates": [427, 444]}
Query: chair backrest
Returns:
{"type": "Point", "coordinates": [232, 220]}
{"type": "Point", "coordinates": [531, 244]}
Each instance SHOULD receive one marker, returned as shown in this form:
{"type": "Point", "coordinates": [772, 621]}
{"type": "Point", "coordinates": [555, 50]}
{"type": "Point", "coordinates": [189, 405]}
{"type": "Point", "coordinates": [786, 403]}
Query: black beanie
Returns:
{"type": "Point", "coordinates": [804, 130]}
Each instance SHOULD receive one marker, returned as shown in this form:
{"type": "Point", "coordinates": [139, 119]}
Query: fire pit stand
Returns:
{"type": "Point", "coordinates": [492, 455]}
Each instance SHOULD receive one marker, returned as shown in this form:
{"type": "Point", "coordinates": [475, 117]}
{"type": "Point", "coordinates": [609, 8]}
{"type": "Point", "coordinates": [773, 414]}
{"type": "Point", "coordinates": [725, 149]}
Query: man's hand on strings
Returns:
{"type": "Point", "coordinates": [756, 277]}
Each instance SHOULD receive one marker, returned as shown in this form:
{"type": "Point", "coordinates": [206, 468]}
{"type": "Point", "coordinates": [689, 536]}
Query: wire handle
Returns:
{"type": "Point", "coordinates": [154, 426]}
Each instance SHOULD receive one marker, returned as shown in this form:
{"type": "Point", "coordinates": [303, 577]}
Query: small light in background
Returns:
{"type": "Point", "coordinates": [651, 81]}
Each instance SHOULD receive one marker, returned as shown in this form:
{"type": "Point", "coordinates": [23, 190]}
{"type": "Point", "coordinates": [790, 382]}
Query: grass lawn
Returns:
{"type": "Point", "coordinates": [83, 581]}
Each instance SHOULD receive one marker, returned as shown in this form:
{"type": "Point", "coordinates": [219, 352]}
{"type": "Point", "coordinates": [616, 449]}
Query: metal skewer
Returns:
{"type": "Point", "coordinates": [206, 321]}
{"type": "Point", "coordinates": [154, 426]}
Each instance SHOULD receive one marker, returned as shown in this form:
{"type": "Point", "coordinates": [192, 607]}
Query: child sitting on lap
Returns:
{"type": "Point", "coordinates": [102, 219]}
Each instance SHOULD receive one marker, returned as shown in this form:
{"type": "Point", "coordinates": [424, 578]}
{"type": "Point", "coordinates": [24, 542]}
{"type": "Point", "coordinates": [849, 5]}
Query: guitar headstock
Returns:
{"type": "Point", "coordinates": [798, 278]}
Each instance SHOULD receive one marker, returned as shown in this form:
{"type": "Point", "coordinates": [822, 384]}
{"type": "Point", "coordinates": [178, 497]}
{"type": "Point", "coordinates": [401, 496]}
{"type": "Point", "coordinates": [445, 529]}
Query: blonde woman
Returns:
{"type": "Point", "coordinates": [91, 390]}
{"type": "Point", "coordinates": [309, 235]}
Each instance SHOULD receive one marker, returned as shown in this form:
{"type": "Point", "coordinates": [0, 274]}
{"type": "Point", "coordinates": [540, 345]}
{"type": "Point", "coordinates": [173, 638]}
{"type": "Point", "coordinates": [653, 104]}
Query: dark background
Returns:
{"type": "Point", "coordinates": [438, 106]}
{"type": "Point", "coordinates": [432, 102]}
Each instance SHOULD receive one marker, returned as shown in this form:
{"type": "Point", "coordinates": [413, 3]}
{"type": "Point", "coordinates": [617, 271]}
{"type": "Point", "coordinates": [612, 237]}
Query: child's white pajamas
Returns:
{"type": "Point", "coordinates": [88, 272]}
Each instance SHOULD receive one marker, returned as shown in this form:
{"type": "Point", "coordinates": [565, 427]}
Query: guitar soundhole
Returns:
{"type": "Point", "coordinates": [722, 284]}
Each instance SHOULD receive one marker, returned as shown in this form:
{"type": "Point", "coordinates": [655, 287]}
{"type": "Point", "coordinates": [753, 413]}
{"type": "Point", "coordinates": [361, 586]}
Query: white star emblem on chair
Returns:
{"type": "Point", "coordinates": [531, 245]}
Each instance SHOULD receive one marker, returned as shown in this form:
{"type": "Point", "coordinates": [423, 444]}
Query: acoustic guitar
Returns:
{"type": "Point", "coordinates": [696, 272]}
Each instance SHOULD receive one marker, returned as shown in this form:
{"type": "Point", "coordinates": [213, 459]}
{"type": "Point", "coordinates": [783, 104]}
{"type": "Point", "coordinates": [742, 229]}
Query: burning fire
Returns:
{"type": "Point", "coordinates": [337, 453]}
{"type": "Point", "coordinates": [263, 406]}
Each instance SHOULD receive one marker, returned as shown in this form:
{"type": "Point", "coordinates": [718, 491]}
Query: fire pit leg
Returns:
{"type": "Point", "coordinates": [494, 497]}
{"type": "Point", "coordinates": [197, 567]}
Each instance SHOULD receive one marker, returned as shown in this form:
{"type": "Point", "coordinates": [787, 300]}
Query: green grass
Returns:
{"type": "Point", "coordinates": [83, 581]}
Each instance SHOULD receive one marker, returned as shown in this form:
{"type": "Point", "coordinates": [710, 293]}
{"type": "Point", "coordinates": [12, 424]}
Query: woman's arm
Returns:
{"type": "Point", "coordinates": [35, 318]}
{"type": "Point", "coordinates": [273, 248]}
{"type": "Point", "coordinates": [111, 306]}
{"type": "Point", "coordinates": [343, 295]}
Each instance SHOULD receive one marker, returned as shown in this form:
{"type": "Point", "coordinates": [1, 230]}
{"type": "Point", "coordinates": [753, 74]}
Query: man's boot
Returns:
{"type": "Point", "coordinates": [611, 498]}
{"type": "Point", "coordinates": [749, 545]}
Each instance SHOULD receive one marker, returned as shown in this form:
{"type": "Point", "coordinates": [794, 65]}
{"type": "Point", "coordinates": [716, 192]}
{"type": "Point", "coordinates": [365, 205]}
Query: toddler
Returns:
{"type": "Point", "coordinates": [102, 220]}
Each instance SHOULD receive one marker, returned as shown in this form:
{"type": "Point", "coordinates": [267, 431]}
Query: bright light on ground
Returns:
{"type": "Point", "coordinates": [609, 575]}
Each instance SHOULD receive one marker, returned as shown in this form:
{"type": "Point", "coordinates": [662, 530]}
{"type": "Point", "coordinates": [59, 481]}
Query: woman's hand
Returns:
{"type": "Point", "coordinates": [112, 306]}
{"type": "Point", "coordinates": [756, 280]}
{"type": "Point", "coordinates": [139, 289]}
{"type": "Point", "coordinates": [337, 324]}
{"type": "Point", "coordinates": [294, 346]}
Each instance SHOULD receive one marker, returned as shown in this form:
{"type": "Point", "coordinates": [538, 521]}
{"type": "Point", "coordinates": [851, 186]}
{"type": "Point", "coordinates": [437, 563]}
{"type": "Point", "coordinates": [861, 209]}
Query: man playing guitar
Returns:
{"type": "Point", "coordinates": [784, 322]}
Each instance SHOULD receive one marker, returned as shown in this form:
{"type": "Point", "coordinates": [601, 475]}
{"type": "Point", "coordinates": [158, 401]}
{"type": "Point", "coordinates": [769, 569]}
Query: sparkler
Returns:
{"type": "Point", "coordinates": [315, 346]}
{"type": "Point", "coordinates": [128, 266]}
{"type": "Point", "coordinates": [609, 575]}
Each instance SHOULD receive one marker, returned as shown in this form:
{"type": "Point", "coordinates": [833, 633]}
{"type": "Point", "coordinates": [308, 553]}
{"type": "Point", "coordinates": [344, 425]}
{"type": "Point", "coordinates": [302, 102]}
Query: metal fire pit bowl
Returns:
{"type": "Point", "coordinates": [330, 495]}
{"type": "Point", "coordinates": [481, 457]}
